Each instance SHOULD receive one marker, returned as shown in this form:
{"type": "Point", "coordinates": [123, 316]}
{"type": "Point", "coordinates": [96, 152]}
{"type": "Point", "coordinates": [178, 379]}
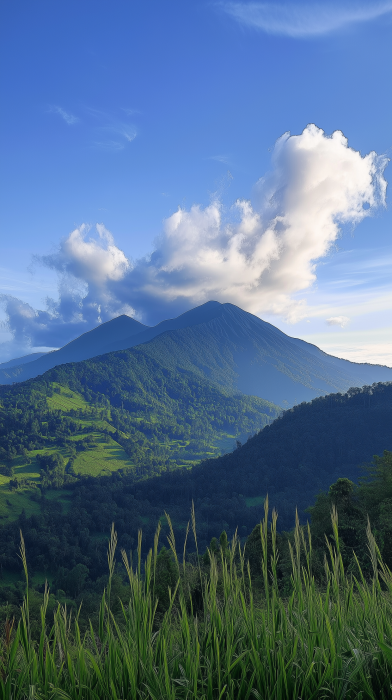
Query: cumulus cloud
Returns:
{"type": "Point", "coordinates": [267, 251]}
{"type": "Point", "coordinates": [259, 255]}
{"type": "Point", "coordinates": [86, 266]}
{"type": "Point", "coordinates": [341, 321]}
{"type": "Point", "coordinates": [94, 261]}
{"type": "Point", "coordinates": [304, 20]}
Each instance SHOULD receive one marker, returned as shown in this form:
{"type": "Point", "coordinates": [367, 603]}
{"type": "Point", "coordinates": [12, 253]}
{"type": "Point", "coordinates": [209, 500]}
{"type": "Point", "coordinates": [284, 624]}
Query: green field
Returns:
{"type": "Point", "coordinates": [66, 400]}
{"type": "Point", "coordinates": [93, 441]}
{"type": "Point", "coordinates": [101, 458]}
{"type": "Point", "coordinates": [105, 456]}
{"type": "Point", "coordinates": [12, 503]}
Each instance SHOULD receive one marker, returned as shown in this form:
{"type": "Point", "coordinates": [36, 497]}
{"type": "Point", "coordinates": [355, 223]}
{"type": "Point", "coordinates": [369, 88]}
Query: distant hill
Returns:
{"type": "Point", "coordinates": [88, 345]}
{"type": "Point", "coordinates": [21, 360]}
{"type": "Point", "coordinates": [301, 453]}
{"type": "Point", "coordinates": [122, 411]}
{"type": "Point", "coordinates": [226, 345]}
{"type": "Point", "coordinates": [297, 456]}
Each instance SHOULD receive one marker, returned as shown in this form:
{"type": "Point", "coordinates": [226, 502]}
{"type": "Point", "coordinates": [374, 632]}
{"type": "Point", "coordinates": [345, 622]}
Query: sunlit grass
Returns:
{"type": "Point", "coordinates": [103, 457]}
{"type": "Point", "coordinates": [334, 642]}
{"type": "Point", "coordinates": [66, 400]}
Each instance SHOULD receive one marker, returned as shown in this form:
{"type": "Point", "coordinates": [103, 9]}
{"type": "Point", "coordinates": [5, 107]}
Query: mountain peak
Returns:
{"type": "Point", "coordinates": [230, 346]}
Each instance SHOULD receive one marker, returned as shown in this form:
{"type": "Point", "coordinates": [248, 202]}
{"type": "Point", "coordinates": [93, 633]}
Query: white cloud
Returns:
{"type": "Point", "coordinates": [304, 20]}
{"type": "Point", "coordinates": [341, 321]}
{"type": "Point", "coordinates": [70, 119]}
{"type": "Point", "coordinates": [93, 261]}
{"type": "Point", "coordinates": [268, 251]}
{"type": "Point", "coordinates": [127, 134]}
{"type": "Point", "coordinates": [110, 145]}
{"type": "Point", "coordinates": [86, 266]}
{"type": "Point", "coordinates": [260, 256]}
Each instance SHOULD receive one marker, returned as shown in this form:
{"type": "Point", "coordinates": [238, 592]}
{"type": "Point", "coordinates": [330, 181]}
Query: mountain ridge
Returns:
{"type": "Point", "coordinates": [227, 345]}
{"type": "Point", "coordinates": [83, 347]}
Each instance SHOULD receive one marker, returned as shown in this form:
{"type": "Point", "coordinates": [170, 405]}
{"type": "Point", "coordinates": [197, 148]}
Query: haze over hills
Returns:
{"type": "Point", "coordinates": [118, 334]}
{"type": "Point", "coordinates": [87, 345]}
{"type": "Point", "coordinates": [243, 353]}
{"type": "Point", "coordinates": [21, 360]}
{"type": "Point", "coordinates": [227, 345]}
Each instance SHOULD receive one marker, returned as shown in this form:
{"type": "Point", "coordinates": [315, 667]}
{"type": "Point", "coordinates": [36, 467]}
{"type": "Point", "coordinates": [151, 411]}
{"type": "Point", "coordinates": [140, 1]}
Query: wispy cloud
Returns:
{"type": "Point", "coordinates": [341, 321]}
{"type": "Point", "coordinates": [304, 20]}
{"type": "Point", "coordinates": [365, 345]}
{"type": "Point", "coordinates": [221, 159]}
{"type": "Point", "coordinates": [114, 134]}
{"type": "Point", "coordinates": [69, 119]}
{"type": "Point", "coordinates": [131, 112]}
{"type": "Point", "coordinates": [109, 145]}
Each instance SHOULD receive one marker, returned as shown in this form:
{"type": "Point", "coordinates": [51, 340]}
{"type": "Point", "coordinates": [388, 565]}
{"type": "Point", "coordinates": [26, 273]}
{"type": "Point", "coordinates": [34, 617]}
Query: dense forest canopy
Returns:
{"type": "Point", "coordinates": [159, 417]}
{"type": "Point", "coordinates": [293, 459]}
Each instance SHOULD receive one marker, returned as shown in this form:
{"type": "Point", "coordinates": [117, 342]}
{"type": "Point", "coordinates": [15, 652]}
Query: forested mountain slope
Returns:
{"type": "Point", "coordinates": [123, 411]}
{"type": "Point", "coordinates": [226, 345]}
{"type": "Point", "coordinates": [243, 353]}
{"type": "Point", "coordinates": [300, 454]}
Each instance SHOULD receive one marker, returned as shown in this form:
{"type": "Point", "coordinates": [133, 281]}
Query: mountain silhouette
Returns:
{"type": "Point", "coordinates": [84, 347]}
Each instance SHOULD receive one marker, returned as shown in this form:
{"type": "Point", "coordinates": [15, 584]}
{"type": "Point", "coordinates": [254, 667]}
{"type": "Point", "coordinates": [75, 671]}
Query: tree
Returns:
{"type": "Point", "coordinates": [223, 542]}
{"type": "Point", "coordinates": [52, 470]}
{"type": "Point", "coordinates": [340, 492]}
{"type": "Point", "coordinates": [166, 576]}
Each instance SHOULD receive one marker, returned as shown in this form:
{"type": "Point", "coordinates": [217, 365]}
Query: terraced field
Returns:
{"type": "Point", "coordinates": [93, 450]}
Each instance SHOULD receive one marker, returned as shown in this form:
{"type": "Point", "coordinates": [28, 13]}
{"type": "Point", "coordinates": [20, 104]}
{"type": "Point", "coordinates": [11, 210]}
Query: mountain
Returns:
{"type": "Point", "coordinates": [243, 353]}
{"type": "Point", "coordinates": [118, 334]}
{"type": "Point", "coordinates": [226, 345]}
{"type": "Point", "coordinates": [301, 453]}
{"type": "Point", "coordinates": [21, 360]}
{"type": "Point", "coordinates": [88, 345]}
{"type": "Point", "coordinates": [294, 458]}
{"type": "Point", "coordinates": [121, 411]}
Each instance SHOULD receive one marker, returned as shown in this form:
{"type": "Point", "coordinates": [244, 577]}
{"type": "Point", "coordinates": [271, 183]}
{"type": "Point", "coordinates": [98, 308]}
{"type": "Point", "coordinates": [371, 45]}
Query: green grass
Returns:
{"type": "Point", "coordinates": [101, 458]}
{"type": "Point", "coordinates": [12, 503]}
{"type": "Point", "coordinates": [67, 400]}
{"type": "Point", "coordinates": [333, 642]}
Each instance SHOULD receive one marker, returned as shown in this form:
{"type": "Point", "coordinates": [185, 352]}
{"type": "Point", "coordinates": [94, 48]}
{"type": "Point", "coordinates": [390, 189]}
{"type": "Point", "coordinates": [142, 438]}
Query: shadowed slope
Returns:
{"type": "Point", "coordinates": [228, 346]}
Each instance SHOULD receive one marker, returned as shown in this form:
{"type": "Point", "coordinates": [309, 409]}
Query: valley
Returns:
{"type": "Point", "coordinates": [177, 423]}
{"type": "Point", "coordinates": [180, 398]}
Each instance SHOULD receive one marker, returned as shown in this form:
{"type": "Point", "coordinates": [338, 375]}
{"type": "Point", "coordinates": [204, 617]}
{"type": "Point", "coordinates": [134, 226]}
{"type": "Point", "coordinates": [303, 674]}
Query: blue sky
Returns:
{"type": "Point", "coordinates": [119, 114]}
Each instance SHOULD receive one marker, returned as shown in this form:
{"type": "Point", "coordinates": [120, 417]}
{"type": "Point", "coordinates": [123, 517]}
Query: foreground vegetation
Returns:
{"type": "Point", "coordinates": [234, 641]}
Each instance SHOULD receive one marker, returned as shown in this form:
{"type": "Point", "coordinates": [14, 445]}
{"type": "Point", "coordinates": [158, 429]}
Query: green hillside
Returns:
{"type": "Point", "coordinates": [123, 411]}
